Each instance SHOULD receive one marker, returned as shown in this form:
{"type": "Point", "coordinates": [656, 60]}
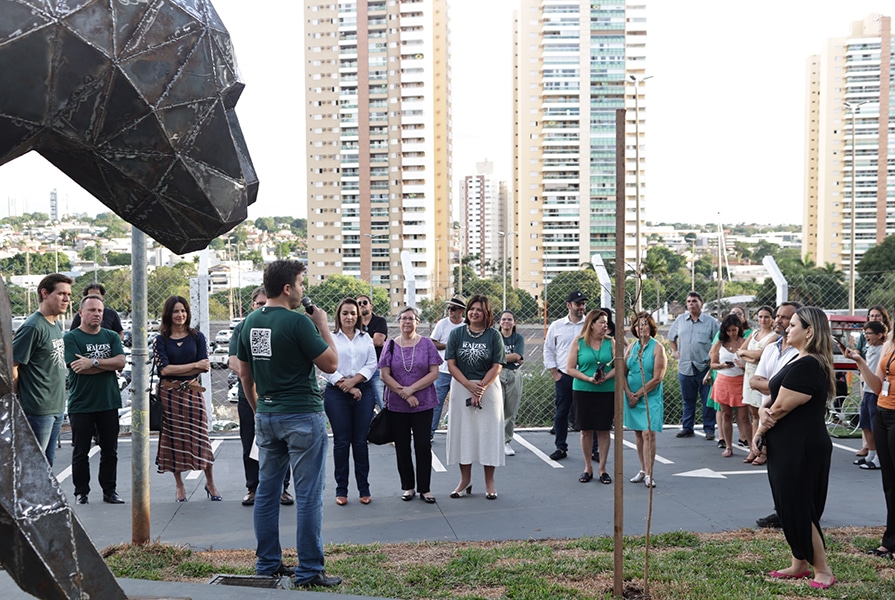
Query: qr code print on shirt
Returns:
{"type": "Point", "coordinates": [260, 340]}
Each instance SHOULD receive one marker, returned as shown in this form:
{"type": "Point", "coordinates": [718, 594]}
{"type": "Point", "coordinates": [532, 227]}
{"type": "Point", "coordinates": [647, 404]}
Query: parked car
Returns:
{"type": "Point", "coordinates": [222, 338]}
{"type": "Point", "coordinates": [219, 357]}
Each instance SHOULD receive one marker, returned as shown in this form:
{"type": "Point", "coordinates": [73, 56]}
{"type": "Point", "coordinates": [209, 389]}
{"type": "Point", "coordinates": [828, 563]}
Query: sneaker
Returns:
{"type": "Point", "coordinates": [508, 450]}
{"type": "Point", "coordinates": [641, 475]}
{"type": "Point", "coordinates": [558, 455]}
{"type": "Point", "coordinates": [684, 433]}
{"type": "Point", "coordinates": [771, 521]}
{"type": "Point", "coordinates": [248, 499]}
{"type": "Point", "coordinates": [649, 482]}
{"type": "Point", "coordinates": [321, 579]}
{"type": "Point", "coordinates": [286, 499]}
{"type": "Point", "coordinates": [721, 443]}
{"type": "Point", "coordinates": [710, 436]}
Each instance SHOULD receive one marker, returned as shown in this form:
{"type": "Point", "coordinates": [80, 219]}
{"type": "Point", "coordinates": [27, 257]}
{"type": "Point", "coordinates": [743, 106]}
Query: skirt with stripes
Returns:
{"type": "Point", "coordinates": [183, 443]}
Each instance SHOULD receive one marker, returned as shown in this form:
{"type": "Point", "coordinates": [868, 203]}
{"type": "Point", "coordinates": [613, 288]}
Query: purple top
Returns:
{"type": "Point", "coordinates": [409, 365]}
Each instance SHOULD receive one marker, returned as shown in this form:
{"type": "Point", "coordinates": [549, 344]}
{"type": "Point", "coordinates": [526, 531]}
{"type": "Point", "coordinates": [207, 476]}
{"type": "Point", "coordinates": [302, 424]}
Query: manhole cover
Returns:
{"type": "Point", "coordinates": [252, 581]}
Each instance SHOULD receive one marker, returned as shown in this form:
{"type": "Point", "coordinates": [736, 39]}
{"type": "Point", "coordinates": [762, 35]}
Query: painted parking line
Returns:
{"type": "Point", "coordinates": [437, 465]}
{"type": "Point", "coordinates": [536, 451]}
{"type": "Point", "coordinates": [659, 457]}
{"type": "Point", "coordinates": [67, 472]}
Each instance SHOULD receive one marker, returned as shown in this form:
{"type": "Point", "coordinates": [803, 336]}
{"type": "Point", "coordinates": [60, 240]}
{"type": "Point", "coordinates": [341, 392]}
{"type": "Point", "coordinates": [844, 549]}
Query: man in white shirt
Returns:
{"type": "Point", "coordinates": [774, 357]}
{"type": "Point", "coordinates": [559, 339]}
{"type": "Point", "coordinates": [455, 307]}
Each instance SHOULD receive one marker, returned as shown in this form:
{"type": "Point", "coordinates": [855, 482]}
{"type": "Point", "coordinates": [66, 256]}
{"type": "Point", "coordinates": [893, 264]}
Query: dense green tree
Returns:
{"type": "Point", "coordinates": [879, 259]}
{"type": "Point", "coordinates": [33, 262]}
{"type": "Point", "coordinates": [564, 283]}
{"type": "Point", "coordinates": [265, 224]}
{"type": "Point", "coordinates": [334, 288]}
{"type": "Point", "coordinates": [115, 259]}
{"type": "Point", "coordinates": [113, 225]}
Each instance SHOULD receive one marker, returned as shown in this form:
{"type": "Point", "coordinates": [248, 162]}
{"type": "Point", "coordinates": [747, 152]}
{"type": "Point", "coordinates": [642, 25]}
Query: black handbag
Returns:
{"type": "Point", "coordinates": [381, 428]}
{"type": "Point", "coordinates": [155, 412]}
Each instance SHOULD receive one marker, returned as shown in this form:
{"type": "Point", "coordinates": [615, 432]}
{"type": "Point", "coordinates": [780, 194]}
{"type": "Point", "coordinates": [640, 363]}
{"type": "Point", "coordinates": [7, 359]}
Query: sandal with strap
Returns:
{"type": "Point", "coordinates": [760, 460]}
{"type": "Point", "coordinates": [748, 460]}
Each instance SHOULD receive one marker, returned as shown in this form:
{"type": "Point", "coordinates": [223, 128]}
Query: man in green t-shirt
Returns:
{"type": "Point", "coordinates": [277, 351]}
{"type": "Point", "coordinates": [93, 354]}
{"type": "Point", "coordinates": [38, 368]}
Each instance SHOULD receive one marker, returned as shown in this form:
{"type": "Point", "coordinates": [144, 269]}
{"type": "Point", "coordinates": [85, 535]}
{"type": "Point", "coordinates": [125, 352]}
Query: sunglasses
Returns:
{"type": "Point", "coordinates": [363, 302]}
{"type": "Point", "coordinates": [254, 303]}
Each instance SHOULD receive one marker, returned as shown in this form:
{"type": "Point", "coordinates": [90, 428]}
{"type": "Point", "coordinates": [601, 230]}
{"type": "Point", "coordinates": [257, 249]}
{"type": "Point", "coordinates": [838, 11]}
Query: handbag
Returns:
{"type": "Point", "coordinates": [155, 412]}
{"type": "Point", "coordinates": [381, 428]}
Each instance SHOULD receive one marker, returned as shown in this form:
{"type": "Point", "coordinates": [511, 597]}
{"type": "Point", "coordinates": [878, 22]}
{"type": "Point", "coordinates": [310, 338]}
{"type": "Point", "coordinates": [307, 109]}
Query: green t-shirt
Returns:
{"type": "Point", "coordinates": [40, 352]}
{"type": "Point", "coordinates": [515, 344]}
{"type": "Point", "coordinates": [281, 345]}
{"type": "Point", "coordinates": [98, 392]}
{"type": "Point", "coordinates": [475, 355]}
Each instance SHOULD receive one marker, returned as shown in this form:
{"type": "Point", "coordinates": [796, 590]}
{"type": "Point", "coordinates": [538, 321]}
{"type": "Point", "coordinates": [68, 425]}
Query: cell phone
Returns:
{"type": "Point", "coordinates": [469, 403]}
{"type": "Point", "coordinates": [759, 444]}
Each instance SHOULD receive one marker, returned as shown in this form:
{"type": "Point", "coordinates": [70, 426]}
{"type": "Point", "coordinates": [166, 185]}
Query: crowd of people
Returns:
{"type": "Point", "coordinates": [774, 381]}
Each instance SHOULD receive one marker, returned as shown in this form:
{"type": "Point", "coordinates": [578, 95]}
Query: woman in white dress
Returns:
{"type": "Point", "coordinates": [750, 354]}
{"type": "Point", "coordinates": [475, 355]}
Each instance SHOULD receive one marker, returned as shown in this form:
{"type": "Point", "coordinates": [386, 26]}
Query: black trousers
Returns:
{"type": "Point", "coordinates": [417, 425]}
{"type": "Point", "coordinates": [83, 426]}
{"type": "Point", "coordinates": [884, 435]}
{"type": "Point", "coordinates": [247, 437]}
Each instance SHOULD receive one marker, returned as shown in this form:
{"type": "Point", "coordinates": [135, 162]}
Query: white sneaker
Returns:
{"type": "Point", "coordinates": [649, 482]}
{"type": "Point", "coordinates": [639, 477]}
{"type": "Point", "coordinates": [508, 450]}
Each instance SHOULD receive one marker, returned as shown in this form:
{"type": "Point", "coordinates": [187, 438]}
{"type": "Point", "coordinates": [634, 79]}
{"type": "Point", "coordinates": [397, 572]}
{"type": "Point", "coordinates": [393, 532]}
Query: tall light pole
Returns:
{"type": "Point", "coordinates": [853, 107]}
{"type": "Point", "coordinates": [506, 258]}
{"type": "Point", "coordinates": [637, 270]}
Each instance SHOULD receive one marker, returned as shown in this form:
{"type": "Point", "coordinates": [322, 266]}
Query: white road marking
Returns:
{"type": "Point", "coordinates": [710, 474]}
{"type": "Point", "coordinates": [537, 452]}
{"type": "Point", "coordinates": [215, 444]}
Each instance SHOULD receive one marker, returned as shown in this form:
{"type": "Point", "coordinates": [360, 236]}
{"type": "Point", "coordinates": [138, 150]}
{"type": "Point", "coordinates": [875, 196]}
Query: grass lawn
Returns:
{"type": "Point", "coordinates": [729, 566]}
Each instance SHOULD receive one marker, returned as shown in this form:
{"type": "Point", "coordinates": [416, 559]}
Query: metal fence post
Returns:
{"type": "Point", "coordinates": [139, 390]}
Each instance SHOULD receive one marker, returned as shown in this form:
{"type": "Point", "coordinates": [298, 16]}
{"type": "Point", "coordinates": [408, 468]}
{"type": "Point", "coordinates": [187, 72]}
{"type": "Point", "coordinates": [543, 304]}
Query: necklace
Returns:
{"type": "Point", "coordinates": [474, 335]}
{"type": "Point", "coordinates": [404, 358]}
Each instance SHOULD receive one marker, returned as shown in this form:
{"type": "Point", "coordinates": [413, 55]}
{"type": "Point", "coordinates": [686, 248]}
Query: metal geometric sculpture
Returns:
{"type": "Point", "coordinates": [134, 100]}
{"type": "Point", "coordinates": [44, 547]}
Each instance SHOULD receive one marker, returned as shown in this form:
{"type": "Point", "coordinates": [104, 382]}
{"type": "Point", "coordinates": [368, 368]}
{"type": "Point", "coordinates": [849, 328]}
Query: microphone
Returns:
{"type": "Point", "coordinates": [308, 304]}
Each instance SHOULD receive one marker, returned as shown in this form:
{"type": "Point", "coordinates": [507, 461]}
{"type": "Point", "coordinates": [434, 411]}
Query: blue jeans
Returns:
{"type": "Point", "coordinates": [691, 387]}
{"type": "Point", "coordinates": [378, 388]}
{"type": "Point", "coordinates": [442, 387]}
{"type": "Point", "coordinates": [563, 390]}
{"type": "Point", "coordinates": [350, 423]}
{"type": "Point", "coordinates": [46, 429]}
{"type": "Point", "coordinates": [296, 440]}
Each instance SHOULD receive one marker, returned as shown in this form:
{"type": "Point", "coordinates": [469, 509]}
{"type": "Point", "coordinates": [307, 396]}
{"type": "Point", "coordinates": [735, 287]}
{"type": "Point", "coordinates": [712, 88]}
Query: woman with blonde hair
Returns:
{"type": "Point", "coordinates": [590, 363]}
{"type": "Point", "coordinates": [799, 447]}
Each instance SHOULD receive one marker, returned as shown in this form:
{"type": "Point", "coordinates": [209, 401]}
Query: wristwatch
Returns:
{"type": "Point", "coordinates": [95, 362]}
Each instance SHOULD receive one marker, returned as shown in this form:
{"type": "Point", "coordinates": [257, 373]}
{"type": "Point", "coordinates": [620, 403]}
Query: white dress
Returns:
{"type": "Point", "coordinates": [475, 435]}
{"type": "Point", "coordinates": [750, 396]}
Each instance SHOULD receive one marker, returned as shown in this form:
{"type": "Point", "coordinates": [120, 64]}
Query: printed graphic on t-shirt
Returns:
{"type": "Point", "coordinates": [59, 353]}
{"type": "Point", "coordinates": [260, 342]}
{"type": "Point", "coordinates": [99, 351]}
{"type": "Point", "coordinates": [473, 352]}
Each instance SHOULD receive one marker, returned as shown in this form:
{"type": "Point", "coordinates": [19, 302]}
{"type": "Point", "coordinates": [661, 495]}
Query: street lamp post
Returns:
{"type": "Point", "coordinates": [506, 257]}
{"type": "Point", "coordinates": [853, 107]}
{"type": "Point", "coordinates": [637, 270]}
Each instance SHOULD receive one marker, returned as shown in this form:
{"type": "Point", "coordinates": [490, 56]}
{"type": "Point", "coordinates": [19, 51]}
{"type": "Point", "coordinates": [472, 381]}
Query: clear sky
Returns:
{"type": "Point", "coordinates": [725, 120]}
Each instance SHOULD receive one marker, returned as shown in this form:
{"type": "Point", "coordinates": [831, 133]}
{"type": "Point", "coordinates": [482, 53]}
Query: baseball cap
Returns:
{"type": "Point", "coordinates": [576, 296]}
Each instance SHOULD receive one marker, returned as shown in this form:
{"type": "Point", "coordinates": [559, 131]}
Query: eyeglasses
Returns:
{"type": "Point", "coordinates": [256, 303]}
{"type": "Point", "coordinates": [455, 308]}
{"type": "Point", "coordinates": [363, 302]}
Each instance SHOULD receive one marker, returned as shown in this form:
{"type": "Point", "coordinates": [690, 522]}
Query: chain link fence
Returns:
{"type": "Point", "coordinates": [664, 296]}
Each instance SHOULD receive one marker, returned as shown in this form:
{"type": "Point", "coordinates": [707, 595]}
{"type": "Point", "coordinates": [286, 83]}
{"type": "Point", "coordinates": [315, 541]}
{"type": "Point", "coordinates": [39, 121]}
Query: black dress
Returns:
{"type": "Point", "coordinates": [799, 453]}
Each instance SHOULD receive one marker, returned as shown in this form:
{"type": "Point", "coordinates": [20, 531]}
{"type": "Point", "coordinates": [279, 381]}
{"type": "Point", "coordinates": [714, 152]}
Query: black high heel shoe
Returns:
{"type": "Point", "coordinates": [459, 493]}
{"type": "Point", "coordinates": [211, 496]}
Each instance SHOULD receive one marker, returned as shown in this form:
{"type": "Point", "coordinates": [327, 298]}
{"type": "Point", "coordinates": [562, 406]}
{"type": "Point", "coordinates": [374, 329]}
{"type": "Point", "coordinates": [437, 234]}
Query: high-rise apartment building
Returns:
{"type": "Point", "coordinates": [378, 142]}
{"type": "Point", "coordinates": [849, 98]}
{"type": "Point", "coordinates": [483, 217]}
{"type": "Point", "coordinates": [576, 62]}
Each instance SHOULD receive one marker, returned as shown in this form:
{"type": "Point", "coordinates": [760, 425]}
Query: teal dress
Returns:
{"type": "Point", "coordinates": [635, 418]}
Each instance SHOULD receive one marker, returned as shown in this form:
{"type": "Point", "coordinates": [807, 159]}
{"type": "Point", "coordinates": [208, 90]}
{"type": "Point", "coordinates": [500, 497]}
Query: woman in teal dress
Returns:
{"type": "Point", "coordinates": [645, 416]}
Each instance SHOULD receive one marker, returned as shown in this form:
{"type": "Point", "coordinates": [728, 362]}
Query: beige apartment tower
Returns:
{"type": "Point", "coordinates": [378, 143]}
{"type": "Point", "coordinates": [576, 62]}
{"type": "Point", "coordinates": [849, 97]}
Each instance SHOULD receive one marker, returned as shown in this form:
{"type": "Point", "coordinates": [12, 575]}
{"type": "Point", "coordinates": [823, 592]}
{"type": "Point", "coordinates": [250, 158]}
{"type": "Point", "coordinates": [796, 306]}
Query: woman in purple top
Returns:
{"type": "Point", "coordinates": [409, 367]}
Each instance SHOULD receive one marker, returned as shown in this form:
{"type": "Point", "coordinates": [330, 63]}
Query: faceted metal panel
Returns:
{"type": "Point", "coordinates": [134, 100]}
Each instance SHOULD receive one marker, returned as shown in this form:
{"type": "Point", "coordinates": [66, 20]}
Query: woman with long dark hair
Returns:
{"type": "Point", "coordinates": [799, 449]}
{"type": "Point", "coordinates": [181, 355]}
{"type": "Point", "coordinates": [727, 390]}
{"type": "Point", "coordinates": [348, 400]}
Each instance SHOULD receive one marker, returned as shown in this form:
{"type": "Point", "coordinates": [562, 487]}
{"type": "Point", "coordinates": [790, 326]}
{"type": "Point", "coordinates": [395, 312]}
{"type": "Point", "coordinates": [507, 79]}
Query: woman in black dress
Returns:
{"type": "Point", "coordinates": [799, 447]}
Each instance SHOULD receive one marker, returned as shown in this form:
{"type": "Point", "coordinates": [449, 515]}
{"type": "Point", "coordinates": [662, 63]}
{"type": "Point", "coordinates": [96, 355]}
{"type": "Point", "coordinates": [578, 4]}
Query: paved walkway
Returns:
{"type": "Point", "coordinates": [697, 490]}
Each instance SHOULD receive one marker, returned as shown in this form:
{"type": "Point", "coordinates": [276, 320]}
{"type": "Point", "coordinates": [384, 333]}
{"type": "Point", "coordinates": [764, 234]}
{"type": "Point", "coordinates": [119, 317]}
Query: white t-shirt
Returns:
{"type": "Point", "coordinates": [441, 333]}
{"type": "Point", "coordinates": [772, 360]}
